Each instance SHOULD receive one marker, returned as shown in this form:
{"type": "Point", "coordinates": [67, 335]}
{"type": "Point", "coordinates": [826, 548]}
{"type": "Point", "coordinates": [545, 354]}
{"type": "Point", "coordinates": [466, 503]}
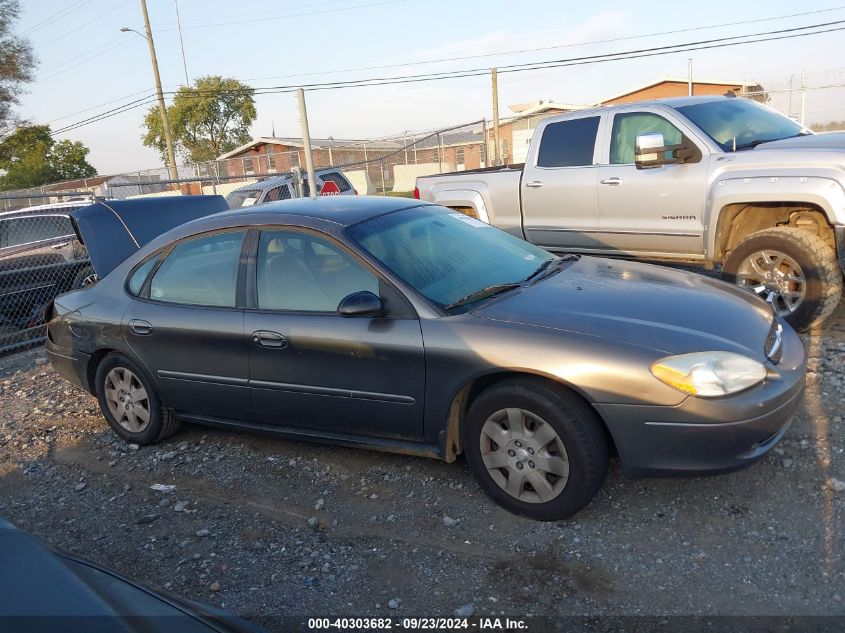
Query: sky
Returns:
{"type": "Point", "coordinates": [88, 66]}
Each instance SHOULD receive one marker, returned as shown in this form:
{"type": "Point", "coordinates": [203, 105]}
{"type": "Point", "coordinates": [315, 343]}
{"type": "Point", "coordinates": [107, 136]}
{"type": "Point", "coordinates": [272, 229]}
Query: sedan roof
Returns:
{"type": "Point", "coordinates": [342, 210]}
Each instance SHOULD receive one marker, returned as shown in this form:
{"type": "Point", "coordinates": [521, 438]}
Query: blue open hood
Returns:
{"type": "Point", "coordinates": [112, 230]}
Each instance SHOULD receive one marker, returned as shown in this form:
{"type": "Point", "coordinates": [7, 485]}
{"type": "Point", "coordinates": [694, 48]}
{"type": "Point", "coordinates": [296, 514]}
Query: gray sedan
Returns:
{"type": "Point", "coordinates": [407, 327]}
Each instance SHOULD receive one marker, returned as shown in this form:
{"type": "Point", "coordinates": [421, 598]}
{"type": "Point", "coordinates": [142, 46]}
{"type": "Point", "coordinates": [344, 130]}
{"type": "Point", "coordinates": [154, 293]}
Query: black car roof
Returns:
{"type": "Point", "coordinates": [342, 210]}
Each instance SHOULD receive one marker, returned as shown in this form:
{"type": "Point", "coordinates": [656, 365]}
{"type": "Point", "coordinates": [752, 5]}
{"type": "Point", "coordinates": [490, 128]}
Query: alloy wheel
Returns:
{"type": "Point", "coordinates": [524, 455]}
{"type": "Point", "coordinates": [89, 280]}
{"type": "Point", "coordinates": [774, 277]}
{"type": "Point", "coordinates": [127, 400]}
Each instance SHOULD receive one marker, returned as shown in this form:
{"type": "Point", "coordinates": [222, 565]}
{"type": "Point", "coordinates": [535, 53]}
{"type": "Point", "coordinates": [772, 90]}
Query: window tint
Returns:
{"type": "Point", "coordinates": [626, 127]}
{"type": "Point", "coordinates": [337, 179]}
{"type": "Point", "coordinates": [242, 198]}
{"type": "Point", "coordinates": [277, 193]}
{"type": "Point", "coordinates": [297, 271]}
{"type": "Point", "coordinates": [202, 271]}
{"type": "Point", "coordinates": [569, 143]}
{"type": "Point", "coordinates": [17, 231]}
{"type": "Point", "coordinates": [136, 281]}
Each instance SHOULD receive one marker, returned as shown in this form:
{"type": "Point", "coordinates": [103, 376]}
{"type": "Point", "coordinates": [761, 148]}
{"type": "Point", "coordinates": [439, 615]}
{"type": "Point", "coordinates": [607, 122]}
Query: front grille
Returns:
{"type": "Point", "coordinates": [774, 342]}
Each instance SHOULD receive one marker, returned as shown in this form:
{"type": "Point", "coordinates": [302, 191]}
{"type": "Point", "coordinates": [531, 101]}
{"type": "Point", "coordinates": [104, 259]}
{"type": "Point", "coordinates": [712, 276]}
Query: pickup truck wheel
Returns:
{"type": "Point", "coordinates": [536, 450]}
{"type": "Point", "coordinates": [792, 269]}
{"type": "Point", "coordinates": [130, 403]}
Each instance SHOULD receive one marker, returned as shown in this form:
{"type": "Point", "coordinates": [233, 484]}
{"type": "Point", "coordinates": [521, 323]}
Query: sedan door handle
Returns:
{"type": "Point", "coordinates": [141, 328]}
{"type": "Point", "coordinates": [534, 184]}
{"type": "Point", "coordinates": [60, 245]}
{"type": "Point", "coordinates": [611, 181]}
{"type": "Point", "coordinates": [266, 338]}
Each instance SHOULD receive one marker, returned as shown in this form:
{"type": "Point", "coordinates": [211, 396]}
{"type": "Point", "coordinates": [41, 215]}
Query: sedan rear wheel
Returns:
{"type": "Point", "coordinates": [535, 447]}
{"type": "Point", "coordinates": [130, 403]}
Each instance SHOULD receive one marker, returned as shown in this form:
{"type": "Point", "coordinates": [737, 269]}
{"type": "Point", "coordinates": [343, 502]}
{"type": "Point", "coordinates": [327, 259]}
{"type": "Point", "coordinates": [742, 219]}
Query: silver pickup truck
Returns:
{"type": "Point", "coordinates": [703, 180]}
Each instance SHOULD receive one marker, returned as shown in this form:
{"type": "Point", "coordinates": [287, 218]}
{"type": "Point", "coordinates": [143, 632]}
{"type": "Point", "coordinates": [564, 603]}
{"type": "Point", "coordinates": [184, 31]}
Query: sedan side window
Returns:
{"type": "Point", "coordinates": [569, 143]}
{"type": "Point", "coordinates": [202, 271]}
{"type": "Point", "coordinates": [626, 128]}
{"type": "Point", "coordinates": [305, 273]}
{"type": "Point", "coordinates": [136, 281]}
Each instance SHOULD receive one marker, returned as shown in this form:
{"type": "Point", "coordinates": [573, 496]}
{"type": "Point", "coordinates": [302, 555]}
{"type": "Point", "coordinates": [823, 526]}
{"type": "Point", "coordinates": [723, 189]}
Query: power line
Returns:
{"type": "Point", "coordinates": [76, 28]}
{"type": "Point", "coordinates": [552, 47]}
{"type": "Point", "coordinates": [288, 15]}
{"type": "Point", "coordinates": [577, 61]}
{"type": "Point", "coordinates": [55, 16]}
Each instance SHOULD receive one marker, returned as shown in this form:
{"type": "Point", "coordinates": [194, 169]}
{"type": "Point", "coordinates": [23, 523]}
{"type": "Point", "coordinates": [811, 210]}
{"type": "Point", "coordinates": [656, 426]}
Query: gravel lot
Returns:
{"type": "Point", "coordinates": [266, 527]}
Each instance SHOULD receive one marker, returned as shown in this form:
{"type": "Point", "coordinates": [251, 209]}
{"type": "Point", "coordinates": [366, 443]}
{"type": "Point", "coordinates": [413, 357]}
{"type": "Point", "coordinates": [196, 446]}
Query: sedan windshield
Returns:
{"type": "Point", "coordinates": [446, 256]}
{"type": "Point", "coordinates": [740, 123]}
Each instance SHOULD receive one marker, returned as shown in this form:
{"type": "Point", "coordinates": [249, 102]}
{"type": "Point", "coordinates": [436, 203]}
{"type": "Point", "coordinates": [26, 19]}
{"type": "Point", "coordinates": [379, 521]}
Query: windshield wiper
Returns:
{"type": "Point", "coordinates": [550, 266]}
{"type": "Point", "coordinates": [751, 144]}
{"type": "Point", "coordinates": [484, 293]}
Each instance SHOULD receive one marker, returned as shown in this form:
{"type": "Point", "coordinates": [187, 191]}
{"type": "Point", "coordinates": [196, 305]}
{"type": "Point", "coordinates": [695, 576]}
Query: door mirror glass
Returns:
{"type": "Point", "coordinates": [363, 303]}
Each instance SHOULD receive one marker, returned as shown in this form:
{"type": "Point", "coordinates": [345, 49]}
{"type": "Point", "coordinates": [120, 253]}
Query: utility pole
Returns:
{"type": "Point", "coordinates": [168, 138]}
{"type": "Point", "coordinates": [496, 152]}
{"type": "Point", "coordinates": [689, 77]}
{"type": "Point", "coordinates": [803, 95]}
{"type": "Point", "coordinates": [181, 42]}
{"type": "Point", "coordinates": [306, 141]}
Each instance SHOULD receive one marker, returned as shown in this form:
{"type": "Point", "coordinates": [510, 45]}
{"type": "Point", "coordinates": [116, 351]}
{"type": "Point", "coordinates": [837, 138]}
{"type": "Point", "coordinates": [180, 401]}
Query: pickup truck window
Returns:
{"type": "Point", "coordinates": [744, 120]}
{"type": "Point", "coordinates": [569, 143]}
{"type": "Point", "coordinates": [627, 126]}
{"type": "Point", "coordinates": [25, 230]}
{"type": "Point", "coordinates": [447, 255]}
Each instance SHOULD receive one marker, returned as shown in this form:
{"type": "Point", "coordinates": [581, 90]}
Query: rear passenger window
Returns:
{"type": "Point", "coordinates": [278, 193]}
{"type": "Point", "coordinates": [202, 271]}
{"type": "Point", "coordinates": [569, 143]}
{"type": "Point", "coordinates": [337, 179]}
{"type": "Point", "coordinates": [136, 281]}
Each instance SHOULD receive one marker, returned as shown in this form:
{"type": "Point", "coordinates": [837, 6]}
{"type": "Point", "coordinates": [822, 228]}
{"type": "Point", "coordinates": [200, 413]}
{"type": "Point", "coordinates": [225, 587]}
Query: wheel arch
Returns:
{"type": "Point", "coordinates": [466, 394]}
{"type": "Point", "coordinates": [740, 219]}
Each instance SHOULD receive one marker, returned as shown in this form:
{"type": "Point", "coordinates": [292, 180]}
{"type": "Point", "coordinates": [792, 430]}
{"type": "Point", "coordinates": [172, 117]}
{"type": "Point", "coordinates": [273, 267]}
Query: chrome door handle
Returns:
{"type": "Point", "coordinates": [266, 338]}
{"type": "Point", "coordinates": [61, 245]}
{"type": "Point", "coordinates": [611, 181]}
{"type": "Point", "coordinates": [141, 328]}
{"type": "Point", "coordinates": [534, 184]}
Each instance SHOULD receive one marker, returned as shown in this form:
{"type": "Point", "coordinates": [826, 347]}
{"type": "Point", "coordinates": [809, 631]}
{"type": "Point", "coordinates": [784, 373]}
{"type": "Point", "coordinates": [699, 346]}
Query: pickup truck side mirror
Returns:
{"type": "Point", "coordinates": [357, 304]}
{"type": "Point", "coordinates": [650, 151]}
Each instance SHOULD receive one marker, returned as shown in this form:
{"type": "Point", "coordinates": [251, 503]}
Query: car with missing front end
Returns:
{"type": "Point", "coordinates": [405, 326]}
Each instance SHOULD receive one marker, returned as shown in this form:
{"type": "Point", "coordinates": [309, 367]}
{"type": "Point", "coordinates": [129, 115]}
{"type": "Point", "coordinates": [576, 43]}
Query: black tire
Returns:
{"type": "Point", "coordinates": [162, 423]}
{"type": "Point", "coordinates": [575, 423]}
{"type": "Point", "coordinates": [818, 263]}
{"type": "Point", "coordinates": [85, 277]}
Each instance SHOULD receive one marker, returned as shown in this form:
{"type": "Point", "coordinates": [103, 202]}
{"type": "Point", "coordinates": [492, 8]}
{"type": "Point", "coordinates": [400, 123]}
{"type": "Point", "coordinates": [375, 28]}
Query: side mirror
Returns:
{"type": "Point", "coordinates": [650, 151]}
{"type": "Point", "coordinates": [363, 303]}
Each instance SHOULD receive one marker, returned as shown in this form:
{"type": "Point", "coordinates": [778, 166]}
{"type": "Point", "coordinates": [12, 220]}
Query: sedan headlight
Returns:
{"type": "Point", "coordinates": [709, 374]}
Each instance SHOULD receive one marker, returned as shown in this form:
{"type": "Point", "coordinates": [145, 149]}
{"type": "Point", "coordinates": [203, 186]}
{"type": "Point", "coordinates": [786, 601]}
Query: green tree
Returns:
{"type": "Point", "coordinates": [17, 61]}
{"type": "Point", "coordinates": [207, 119]}
{"type": "Point", "coordinates": [30, 157]}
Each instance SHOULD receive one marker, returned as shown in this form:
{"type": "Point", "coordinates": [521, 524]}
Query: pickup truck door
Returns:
{"type": "Point", "coordinates": [559, 184]}
{"type": "Point", "coordinates": [656, 211]}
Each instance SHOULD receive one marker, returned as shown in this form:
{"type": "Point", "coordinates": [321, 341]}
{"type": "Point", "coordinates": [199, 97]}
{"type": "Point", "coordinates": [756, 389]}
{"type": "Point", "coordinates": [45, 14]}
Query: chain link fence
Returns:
{"type": "Point", "coordinates": [40, 258]}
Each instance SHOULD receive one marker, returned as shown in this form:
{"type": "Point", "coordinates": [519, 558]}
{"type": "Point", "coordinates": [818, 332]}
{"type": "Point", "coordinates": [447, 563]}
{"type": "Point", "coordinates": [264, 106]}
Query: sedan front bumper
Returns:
{"type": "Point", "coordinates": [715, 435]}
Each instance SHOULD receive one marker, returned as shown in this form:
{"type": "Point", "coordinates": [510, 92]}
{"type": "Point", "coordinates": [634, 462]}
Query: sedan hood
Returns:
{"type": "Point", "coordinates": [112, 230]}
{"type": "Point", "coordinates": [665, 310]}
{"type": "Point", "coordinates": [834, 141]}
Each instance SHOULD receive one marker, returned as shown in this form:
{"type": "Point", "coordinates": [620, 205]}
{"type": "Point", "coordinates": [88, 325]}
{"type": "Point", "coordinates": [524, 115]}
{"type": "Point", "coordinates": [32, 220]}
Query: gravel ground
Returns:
{"type": "Point", "coordinates": [266, 527]}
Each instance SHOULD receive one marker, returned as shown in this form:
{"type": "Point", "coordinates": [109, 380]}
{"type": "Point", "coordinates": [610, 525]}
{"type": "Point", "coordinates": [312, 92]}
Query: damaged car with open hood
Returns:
{"type": "Point", "coordinates": [404, 326]}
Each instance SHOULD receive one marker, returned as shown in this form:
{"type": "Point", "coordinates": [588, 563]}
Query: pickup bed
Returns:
{"type": "Point", "coordinates": [713, 181]}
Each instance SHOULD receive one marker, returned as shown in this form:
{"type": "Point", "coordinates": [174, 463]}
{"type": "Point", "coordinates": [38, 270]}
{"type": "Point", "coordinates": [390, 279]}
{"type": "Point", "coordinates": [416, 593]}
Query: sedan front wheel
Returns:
{"type": "Point", "coordinates": [535, 448]}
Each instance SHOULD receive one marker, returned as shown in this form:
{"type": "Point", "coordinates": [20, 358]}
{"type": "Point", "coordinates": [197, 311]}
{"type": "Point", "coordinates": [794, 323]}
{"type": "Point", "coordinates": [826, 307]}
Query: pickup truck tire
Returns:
{"type": "Point", "coordinates": [766, 262]}
{"type": "Point", "coordinates": [538, 450]}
